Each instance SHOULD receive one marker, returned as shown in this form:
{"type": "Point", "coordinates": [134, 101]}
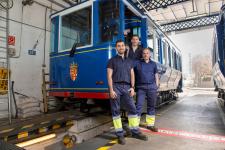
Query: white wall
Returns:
{"type": "Point", "coordinates": [26, 70]}
{"type": "Point", "coordinates": [194, 42]}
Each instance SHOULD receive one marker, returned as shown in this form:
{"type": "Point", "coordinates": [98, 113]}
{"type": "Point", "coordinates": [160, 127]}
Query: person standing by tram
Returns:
{"type": "Point", "coordinates": [120, 76]}
{"type": "Point", "coordinates": [147, 83]}
{"type": "Point", "coordinates": [134, 50]}
{"type": "Point", "coordinates": [147, 80]}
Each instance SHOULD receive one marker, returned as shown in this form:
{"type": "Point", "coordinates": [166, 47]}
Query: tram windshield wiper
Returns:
{"type": "Point", "coordinates": [73, 49]}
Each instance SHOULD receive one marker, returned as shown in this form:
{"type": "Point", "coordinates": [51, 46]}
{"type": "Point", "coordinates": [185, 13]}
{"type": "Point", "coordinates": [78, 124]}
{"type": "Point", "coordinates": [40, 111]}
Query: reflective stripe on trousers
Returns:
{"type": "Point", "coordinates": [133, 121]}
{"type": "Point", "coordinates": [117, 123]}
{"type": "Point", "coordinates": [150, 120]}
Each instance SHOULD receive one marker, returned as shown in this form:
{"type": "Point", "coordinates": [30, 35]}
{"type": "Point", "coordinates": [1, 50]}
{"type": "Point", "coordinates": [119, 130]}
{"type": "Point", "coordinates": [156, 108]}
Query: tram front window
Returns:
{"type": "Point", "coordinates": [108, 19]}
{"type": "Point", "coordinates": [76, 28]}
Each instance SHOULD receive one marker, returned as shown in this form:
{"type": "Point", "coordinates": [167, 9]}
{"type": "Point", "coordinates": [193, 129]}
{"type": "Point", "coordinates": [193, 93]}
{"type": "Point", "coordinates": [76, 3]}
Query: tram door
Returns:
{"type": "Point", "coordinates": [132, 26]}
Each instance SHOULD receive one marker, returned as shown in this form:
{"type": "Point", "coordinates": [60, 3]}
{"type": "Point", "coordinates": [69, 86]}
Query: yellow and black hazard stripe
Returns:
{"type": "Point", "coordinates": [30, 131]}
{"type": "Point", "coordinates": [108, 145]}
{"type": "Point", "coordinates": [29, 128]}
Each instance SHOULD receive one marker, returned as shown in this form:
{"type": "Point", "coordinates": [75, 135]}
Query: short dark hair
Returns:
{"type": "Point", "coordinates": [119, 41]}
{"type": "Point", "coordinates": [135, 35]}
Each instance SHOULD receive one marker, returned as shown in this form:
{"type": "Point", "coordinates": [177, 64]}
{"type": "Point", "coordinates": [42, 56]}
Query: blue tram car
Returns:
{"type": "Point", "coordinates": [218, 55]}
{"type": "Point", "coordinates": [83, 40]}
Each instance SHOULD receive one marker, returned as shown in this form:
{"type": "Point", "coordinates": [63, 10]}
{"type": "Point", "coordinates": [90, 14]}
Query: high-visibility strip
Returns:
{"type": "Point", "coordinates": [27, 126]}
{"type": "Point", "coordinates": [133, 121]}
{"type": "Point", "coordinates": [150, 120]}
{"type": "Point", "coordinates": [104, 148]}
{"type": "Point", "coordinates": [117, 123]}
{"type": "Point", "coordinates": [139, 120]}
{"type": "Point", "coordinates": [116, 117]}
{"type": "Point", "coordinates": [69, 123]}
{"type": "Point", "coordinates": [56, 126]}
{"type": "Point", "coordinates": [22, 135]}
{"type": "Point", "coordinates": [42, 130]}
{"type": "Point", "coordinates": [132, 116]}
{"type": "Point", "coordinates": [6, 130]}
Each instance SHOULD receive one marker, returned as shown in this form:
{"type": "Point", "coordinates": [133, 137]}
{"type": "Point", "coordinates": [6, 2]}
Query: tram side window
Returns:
{"type": "Point", "coordinates": [216, 48]}
{"type": "Point", "coordinates": [158, 46]}
{"type": "Point", "coordinates": [215, 51]}
{"type": "Point", "coordinates": [53, 35]}
{"type": "Point", "coordinates": [169, 56]}
{"type": "Point", "coordinates": [108, 20]}
{"type": "Point", "coordinates": [76, 28]}
{"type": "Point", "coordinates": [178, 62]}
{"type": "Point", "coordinates": [164, 53]}
{"type": "Point", "coordinates": [150, 45]}
{"type": "Point", "coordinates": [173, 59]}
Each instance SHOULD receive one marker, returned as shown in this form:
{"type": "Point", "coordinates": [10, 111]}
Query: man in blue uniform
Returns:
{"type": "Point", "coordinates": [120, 75]}
{"type": "Point", "coordinates": [147, 83]}
{"type": "Point", "coordinates": [134, 51]}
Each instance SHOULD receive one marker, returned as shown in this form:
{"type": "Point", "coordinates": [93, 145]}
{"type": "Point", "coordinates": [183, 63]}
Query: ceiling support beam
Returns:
{"type": "Point", "coordinates": [155, 4]}
{"type": "Point", "coordinates": [191, 23]}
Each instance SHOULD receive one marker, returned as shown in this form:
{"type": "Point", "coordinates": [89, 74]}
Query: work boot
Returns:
{"type": "Point", "coordinates": [140, 136]}
{"type": "Point", "coordinates": [128, 132]}
{"type": "Point", "coordinates": [152, 128]}
{"type": "Point", "coordinates": [121, 140]}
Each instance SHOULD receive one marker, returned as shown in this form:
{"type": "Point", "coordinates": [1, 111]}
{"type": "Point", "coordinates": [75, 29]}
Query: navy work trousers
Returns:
{"type": "Point", "coordinates": [124, 95]}
{"type": "Point", "coordinates": [146, 92]}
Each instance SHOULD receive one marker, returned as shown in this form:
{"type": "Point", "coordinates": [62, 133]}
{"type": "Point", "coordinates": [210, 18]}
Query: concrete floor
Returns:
{"type": "Point", "coordinates": [196, 112]}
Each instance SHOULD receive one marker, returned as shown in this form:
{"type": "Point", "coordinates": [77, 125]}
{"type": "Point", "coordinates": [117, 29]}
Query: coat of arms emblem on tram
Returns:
{"type": "Point", "coordinates": [73, 71]}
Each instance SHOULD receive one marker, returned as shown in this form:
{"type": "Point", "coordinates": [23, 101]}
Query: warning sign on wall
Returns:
{"type": "Point", "coordinates": [11, 40]}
